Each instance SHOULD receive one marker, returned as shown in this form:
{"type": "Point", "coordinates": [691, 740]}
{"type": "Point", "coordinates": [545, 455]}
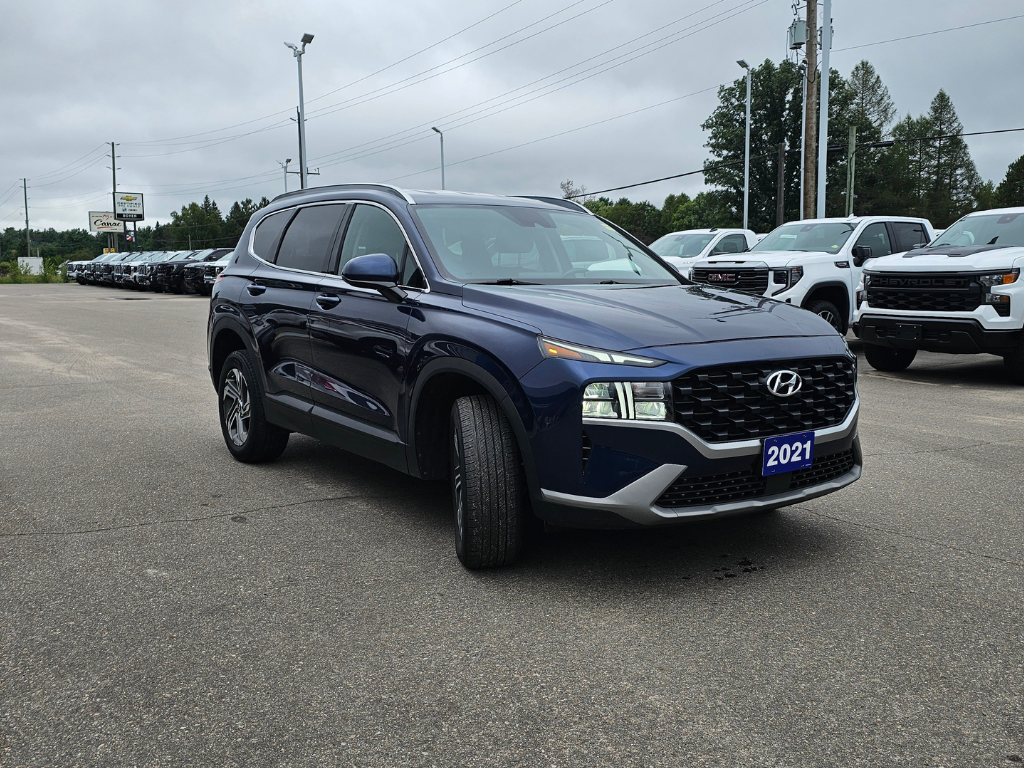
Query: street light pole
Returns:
{"type": "Point", "coordinates": [439, 133]}
{"type": "Point", "coordinates": [284, 165]}
{"type": "Point", "coordinates": [746, 151]}
{"type": "Point", "coordinates": [803, 137]}
{"type": "Point", "coordinates": [298, 52]}
{"type": "Point", "coordinates": [826, 49]}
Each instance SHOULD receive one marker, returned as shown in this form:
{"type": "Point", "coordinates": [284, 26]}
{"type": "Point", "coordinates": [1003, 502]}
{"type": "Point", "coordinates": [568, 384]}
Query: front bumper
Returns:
{"type": "Point", "coordinates": [639, 502]}
{"type": "Point", "coordinates": [955, 336]}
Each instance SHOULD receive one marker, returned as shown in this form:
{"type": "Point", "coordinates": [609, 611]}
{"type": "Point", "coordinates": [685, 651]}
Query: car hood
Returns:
{"type": "Point", "coordinates": [621, 318]}
{"type": "Point", "coordinates": [770, 259]}
{"type": "Point", "coordinates": [978, 258]}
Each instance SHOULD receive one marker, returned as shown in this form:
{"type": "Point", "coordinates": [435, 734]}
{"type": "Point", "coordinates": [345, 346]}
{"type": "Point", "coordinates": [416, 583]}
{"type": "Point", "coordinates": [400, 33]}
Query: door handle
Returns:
{"type": "Point", "coordinates": [255, 289]}
{"type": "Point", "coordinates": [328, 300]}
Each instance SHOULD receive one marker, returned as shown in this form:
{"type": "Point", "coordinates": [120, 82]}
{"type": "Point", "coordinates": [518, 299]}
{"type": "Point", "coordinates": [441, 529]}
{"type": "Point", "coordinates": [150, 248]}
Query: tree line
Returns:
{"type": "Point", "coordinates": [918, 175]}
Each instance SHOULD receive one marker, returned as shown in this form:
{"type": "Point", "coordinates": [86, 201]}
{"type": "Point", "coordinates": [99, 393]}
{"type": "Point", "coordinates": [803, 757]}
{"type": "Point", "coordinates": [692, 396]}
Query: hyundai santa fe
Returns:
{"type": "Point", "coordinates": [452, 336]}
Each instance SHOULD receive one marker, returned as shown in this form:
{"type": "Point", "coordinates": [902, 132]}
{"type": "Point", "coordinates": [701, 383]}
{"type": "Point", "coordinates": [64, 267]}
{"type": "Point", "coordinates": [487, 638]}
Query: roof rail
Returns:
{"type": "Point", "coordinates": [572, 205]}
{"type": "Point", "coordinates": [387, 187]}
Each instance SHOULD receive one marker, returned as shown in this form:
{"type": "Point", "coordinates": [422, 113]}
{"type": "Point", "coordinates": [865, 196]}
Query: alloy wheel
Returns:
{"type": "Point", "coordinates": [236, 407]}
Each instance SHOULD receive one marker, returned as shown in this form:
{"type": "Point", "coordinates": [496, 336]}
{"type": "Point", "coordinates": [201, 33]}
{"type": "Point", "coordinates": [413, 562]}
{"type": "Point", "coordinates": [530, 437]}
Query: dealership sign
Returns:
{"type": "Point", "coordinates": [128, 206]}
{"type": "Point", "coordinates": [104, 221]}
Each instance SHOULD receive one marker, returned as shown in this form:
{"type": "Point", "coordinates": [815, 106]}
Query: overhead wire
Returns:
{"type": "Point", "coordinates": [928, 34]}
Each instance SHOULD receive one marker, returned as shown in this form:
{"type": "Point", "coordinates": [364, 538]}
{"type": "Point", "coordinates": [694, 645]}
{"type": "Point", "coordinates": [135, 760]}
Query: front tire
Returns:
{"type": "Point", "coordinates": [243, 422]}
{"type": "Point", "coordinates": [487, 492]}
{"type": "Point", "coordinates": [888, 358]}
{"type": "Point", "coordinates": [828, 312]}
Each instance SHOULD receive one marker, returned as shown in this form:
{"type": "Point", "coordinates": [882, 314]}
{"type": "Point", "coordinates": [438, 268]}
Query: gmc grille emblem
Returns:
{"type": "Point", "coordinates": [721, 277]}
{"type": "Point", "coordinates": [784, 383]}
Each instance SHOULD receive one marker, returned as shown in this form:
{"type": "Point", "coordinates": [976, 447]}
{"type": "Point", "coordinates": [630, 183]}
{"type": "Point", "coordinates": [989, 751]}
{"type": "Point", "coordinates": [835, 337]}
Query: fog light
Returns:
{"type": "Point", "coordinates": [651, 411]}
{"type": "Point", "coordinates": [601, 409]}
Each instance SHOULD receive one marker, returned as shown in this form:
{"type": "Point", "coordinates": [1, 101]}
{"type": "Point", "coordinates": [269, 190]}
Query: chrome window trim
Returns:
{"type": "Point", "coordinates": [408, 244]}
{"type": "Point", "coordinates": [737, 448]}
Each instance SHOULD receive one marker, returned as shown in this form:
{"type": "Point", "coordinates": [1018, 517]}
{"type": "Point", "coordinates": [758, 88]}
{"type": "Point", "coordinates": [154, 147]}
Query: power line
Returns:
{"type": "Point", "coordinates": [927, 34]}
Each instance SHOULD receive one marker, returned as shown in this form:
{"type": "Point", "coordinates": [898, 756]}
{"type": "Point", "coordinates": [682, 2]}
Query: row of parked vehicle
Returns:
{"type": "Point", "coordinates": [172, 271]}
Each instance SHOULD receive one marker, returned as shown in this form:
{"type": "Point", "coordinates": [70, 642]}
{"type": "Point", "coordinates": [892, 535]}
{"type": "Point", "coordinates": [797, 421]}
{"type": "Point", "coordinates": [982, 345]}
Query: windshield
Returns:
{"type": "Point", "coordinates": [513, 244]}
{"type": "Point", "coordinates": [681, 246]}
{"type": "Point", "coordinates": [827, 237]}
{"type": "Point", "coordinates": [996, 229]}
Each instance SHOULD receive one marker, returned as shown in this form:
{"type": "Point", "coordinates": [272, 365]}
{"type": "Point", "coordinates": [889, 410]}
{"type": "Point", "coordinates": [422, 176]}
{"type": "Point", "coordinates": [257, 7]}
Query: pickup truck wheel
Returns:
{"type": "Point", "coordinates": [487, 494]}
{"type": "Point", "coordinates": [888, 358]}
{"type": "Point", "coordinates": [1014, 362]}
{"type": "Point", "coordinates": [247, 433]}
{"type": "Point", "coordinates": [828, 312]}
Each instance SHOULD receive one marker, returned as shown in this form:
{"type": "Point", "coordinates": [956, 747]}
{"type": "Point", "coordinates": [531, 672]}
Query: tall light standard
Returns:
{"type": "Point", "coordinates": [803, 135]}
{"type": "Point", "coordinates": [297, 51]}
{"type": "Point", "coordinates": [284, 165]}
{"type": "Point", "coordinates": [439, 133]}
{"type": "Point", "coordinates": [746, 150]}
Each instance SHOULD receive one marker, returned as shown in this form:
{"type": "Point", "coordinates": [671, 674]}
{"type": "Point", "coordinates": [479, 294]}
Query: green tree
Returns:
{"type": "Point", "coordinates": [871, 100]}
{"type": "Point", "coordinates": [708, 209]}
{"type": "Point", "coordinates": [950, 175]}
{"type": "Point", "coordinates": [642, 220]}
{"type": "Point", "coordinates": [669, 207]}
{"type": "Point", "coordinates": [1010, 192]}
{"type": "Point", "coordinates": [776, 103]}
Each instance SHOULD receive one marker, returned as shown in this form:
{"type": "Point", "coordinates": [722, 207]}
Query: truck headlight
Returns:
{"type": "Point", "coordinates": [999, 278]}
{"type": "Point", "coordinates": [788, 277]}
{"type": "Point", "coordinates": [636, 400]}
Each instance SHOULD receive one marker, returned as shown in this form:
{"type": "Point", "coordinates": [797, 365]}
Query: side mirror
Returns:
{"type": "Point", "coordinates": [860, 254]}
{"type": "Point", "coordinates": [377, 271]}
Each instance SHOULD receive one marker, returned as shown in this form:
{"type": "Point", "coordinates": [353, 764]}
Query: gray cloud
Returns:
{"type": "Point", "coordinates": [77, 74]}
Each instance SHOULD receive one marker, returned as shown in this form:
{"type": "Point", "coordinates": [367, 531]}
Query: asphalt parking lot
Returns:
{"type": "Point", "coordinates": [163, 605]}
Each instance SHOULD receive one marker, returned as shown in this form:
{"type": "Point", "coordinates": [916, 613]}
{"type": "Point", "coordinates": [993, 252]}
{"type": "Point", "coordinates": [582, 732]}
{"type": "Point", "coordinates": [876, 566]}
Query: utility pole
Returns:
{"type": "Point", "coordinates": [298, 53]}
{"type": "Point", "coordinates": [28, 232]}
{"type": "Point", "coordinates": [780, 192]}
{"type": "Point", "coordinates": [810, 112]}
{"type": "Point", "coordinates": [284, 165]}
{"type": "Point", "coordinates": [746, 149]}
{"type": "Point", "coordinates": [826, 50]}
{"type": "Point", "coordinates": [851, 168]}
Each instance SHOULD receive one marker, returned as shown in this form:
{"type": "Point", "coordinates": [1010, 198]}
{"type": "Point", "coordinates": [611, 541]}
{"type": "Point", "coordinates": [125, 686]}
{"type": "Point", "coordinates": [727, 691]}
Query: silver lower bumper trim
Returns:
{"type": "Point", "coordinates": [636, 502]}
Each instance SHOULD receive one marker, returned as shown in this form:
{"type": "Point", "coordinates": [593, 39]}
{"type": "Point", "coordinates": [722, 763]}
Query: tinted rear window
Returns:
{"type": "Point", "coordinates": [268, 233]}
{"type": "Point", "coordinates": [308, 237]}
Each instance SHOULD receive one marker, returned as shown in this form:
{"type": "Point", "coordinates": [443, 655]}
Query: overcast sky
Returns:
{"type": "Point", "coordinates": [199, 94]}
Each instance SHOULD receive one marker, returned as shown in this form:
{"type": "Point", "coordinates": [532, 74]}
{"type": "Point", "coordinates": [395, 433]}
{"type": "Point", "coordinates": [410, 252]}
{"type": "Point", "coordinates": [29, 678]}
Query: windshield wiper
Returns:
{"type": "Point", "coordinates": [506, 281]}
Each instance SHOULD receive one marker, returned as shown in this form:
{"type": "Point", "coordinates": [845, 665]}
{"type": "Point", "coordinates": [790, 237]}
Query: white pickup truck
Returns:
{"type": "Point", "coordinates": [683, 249]}
{"type": "Point", "coordinates": [816, 263]}
{"type": "Point", "coordinates": [960, 294]}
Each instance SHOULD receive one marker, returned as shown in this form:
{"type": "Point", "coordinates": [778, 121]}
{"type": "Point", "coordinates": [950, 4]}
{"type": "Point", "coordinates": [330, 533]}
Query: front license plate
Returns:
{"type": "Point", "coordinates": [908, 332]}
{"type": "Point", "coordinates": [787, 452]}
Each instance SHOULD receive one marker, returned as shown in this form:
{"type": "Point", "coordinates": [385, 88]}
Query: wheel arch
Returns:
{"type": "Point", "coordinates": [228, 335]}
{"type": "Point", "coordinates": [836, 292]}
{"type": "Point", "coordinates": [438, 385]}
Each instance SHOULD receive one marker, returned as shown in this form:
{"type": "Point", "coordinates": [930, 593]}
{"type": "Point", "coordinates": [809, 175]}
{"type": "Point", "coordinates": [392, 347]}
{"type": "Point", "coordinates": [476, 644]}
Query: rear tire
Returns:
{"type": "Point", "coordinates": [487, 492]}
{"type": "Point", "coordinates": [828, 312]}
{"type": "Point", "coordinates": [888, 358]}
{"type": "Point", "coordinates": [243, 422]}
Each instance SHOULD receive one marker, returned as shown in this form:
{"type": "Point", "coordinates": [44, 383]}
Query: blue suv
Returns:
{"type": "Point", "coordinates": [535, 356]}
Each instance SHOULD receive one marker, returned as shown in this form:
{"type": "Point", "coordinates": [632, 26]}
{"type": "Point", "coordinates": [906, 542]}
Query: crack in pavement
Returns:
{"type": "Point", "coordinates": [933, 542]}
{"type": "Point", "coordinates": [171, 521]}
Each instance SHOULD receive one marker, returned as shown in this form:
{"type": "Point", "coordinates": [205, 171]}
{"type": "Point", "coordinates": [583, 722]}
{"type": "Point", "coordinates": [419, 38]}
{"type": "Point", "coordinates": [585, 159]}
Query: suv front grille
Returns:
{"type": "Point", "coordinates": [746, 279]}
{"type": "Point", "coordinates": [750, 484]}
{"type": "Point", "coordinates": [924, 292]}
{"type": "Point", "coordinates": [732, 402]}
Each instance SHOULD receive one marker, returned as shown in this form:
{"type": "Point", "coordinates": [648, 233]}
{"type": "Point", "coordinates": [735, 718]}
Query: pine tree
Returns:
{"type": "Point", "coordinates": [950, 175]}
{"type": "Point", "coordinates": [1010, 192]}
{"type": "Point", "coordinates": [871, 98]}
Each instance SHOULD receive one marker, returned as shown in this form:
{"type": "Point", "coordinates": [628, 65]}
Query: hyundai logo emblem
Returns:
{"type": "Point", "coordinates": [784, 383]}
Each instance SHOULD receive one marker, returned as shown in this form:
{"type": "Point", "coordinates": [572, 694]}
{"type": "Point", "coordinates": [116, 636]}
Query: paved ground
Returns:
{"type": "Point", "coordinates": [162, 605]}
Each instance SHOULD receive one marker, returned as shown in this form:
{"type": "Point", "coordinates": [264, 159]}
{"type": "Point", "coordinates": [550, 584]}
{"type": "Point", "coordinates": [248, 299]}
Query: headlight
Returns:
{"type": "Point", "coordinates": [788, 277]}
{"type": "Point", "coordinates": [563, 351]}
{"type": "Point", "coordinates": [639, 400]}
{"type": "Point", "coordinates": [999, 278]}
